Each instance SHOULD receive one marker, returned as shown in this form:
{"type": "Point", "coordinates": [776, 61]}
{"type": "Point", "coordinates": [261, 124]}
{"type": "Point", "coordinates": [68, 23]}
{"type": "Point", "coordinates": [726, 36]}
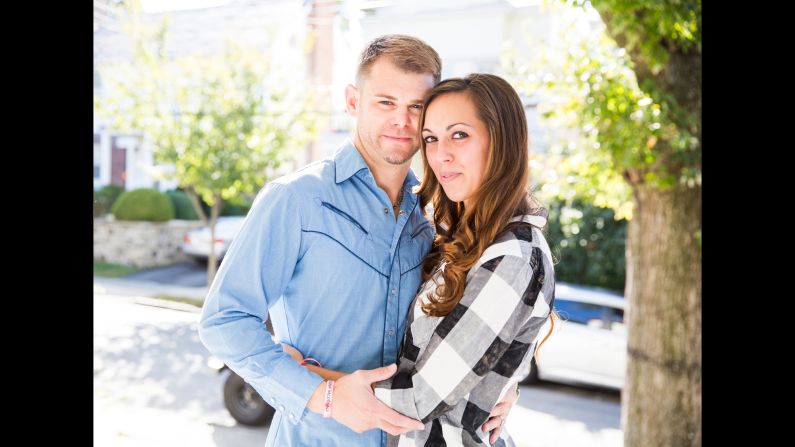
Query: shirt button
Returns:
{"type": "Point", "coordinates": [393, 291]}
{"type": "Point", "coordinates": [402, 212]}
{"type": "Point", "coordinates": [281, 408]}
{"type": "Point", "coordinates": [292, 416]}
{"type": "Point", "coordinates": [386, 211]}
{"type": "Point", "coordinates": [391, 332]}
{"type": "Point", "coordinates": [273, 401]}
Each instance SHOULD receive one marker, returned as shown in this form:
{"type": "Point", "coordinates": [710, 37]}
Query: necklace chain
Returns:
{"type": "Point", "coordinates": [399, 199]}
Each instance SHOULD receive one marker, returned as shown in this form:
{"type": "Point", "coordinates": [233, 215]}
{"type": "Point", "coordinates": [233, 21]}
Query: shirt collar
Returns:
{"type": "Point", "coordinates": [348, 161]}
{"type": "Point", "coordinates": [411, 179]}
{"type": "Point", "coordinates": [539, 219]}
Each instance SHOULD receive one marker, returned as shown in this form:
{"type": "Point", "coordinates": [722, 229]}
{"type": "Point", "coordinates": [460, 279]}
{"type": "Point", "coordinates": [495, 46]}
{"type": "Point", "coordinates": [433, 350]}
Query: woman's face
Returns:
{"type": "Point", "coordinates": [456, 145]}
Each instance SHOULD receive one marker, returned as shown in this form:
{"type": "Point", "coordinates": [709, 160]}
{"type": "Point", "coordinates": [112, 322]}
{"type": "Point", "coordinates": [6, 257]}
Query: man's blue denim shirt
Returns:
{"type": "Point", "coordinates": [321, 252]}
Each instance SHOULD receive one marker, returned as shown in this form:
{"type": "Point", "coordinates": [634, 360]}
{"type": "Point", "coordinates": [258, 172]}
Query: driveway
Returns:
{"type": "Point", "coordinates": [152, 387]}
{"type": "Point", "coordinates": [187, 274]}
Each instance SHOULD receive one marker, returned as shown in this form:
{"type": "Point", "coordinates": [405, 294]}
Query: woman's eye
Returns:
{"type": "Point", "coordinates": [430, 139]}
{"type": "Point", "coordinates": [458, 135]}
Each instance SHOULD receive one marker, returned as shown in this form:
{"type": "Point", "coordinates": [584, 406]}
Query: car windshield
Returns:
{"type": "Point", "coordinates": [587, 313]}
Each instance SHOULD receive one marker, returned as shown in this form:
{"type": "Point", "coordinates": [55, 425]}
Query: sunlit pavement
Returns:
{"type": "Point", "coordinates": [552, 415]}
{"type": "Point", "coordinates": [152, 387]}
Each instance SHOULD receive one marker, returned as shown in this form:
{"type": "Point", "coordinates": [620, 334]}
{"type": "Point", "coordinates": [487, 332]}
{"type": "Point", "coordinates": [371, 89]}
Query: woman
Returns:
{"type": "Point", "coordinates": [488, 280]}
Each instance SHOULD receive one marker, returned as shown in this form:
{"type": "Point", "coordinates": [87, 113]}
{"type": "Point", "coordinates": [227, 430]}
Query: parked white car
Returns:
{"type": "Point", "coordinates": [196, 243]}
{"type": "Point", "coordinates": [589, 342]}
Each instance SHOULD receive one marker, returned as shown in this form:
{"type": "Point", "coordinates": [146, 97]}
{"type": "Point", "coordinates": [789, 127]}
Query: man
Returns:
{"type": "Point", "coordinates": [333, 253]}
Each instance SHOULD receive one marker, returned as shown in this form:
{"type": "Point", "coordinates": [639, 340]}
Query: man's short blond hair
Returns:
{"type": "Point", "coordinates": [406, 52]}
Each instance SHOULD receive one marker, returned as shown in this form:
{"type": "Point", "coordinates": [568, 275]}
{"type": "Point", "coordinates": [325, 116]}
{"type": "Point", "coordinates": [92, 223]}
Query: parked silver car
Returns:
{"type": "Point", "coordinates": [196, 243]}
{"type": "Point", "coordinates": [589, 342]}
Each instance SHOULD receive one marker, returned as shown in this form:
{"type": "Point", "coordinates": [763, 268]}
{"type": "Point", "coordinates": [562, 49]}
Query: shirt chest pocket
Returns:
{"type": "Point", "coordinates": [344, 216]}
{"type": "Point", "coordinates": [345, 231]}
{"type": "Point", "coordinates": [415, 244]}
{"type": "Point", "coordinates": [421, 233]}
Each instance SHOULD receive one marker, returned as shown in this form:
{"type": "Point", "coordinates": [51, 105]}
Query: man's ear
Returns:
{"type": "Point", "coordinates": [352, 100]}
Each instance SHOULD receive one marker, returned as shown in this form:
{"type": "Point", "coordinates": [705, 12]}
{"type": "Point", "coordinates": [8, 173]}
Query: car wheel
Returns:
{"type": "Point", "coordinates": [199, 260]}
{"type": "Point", "coordinates": [244, 403]}
{"type": "Point", "coordinates": [532, 377]}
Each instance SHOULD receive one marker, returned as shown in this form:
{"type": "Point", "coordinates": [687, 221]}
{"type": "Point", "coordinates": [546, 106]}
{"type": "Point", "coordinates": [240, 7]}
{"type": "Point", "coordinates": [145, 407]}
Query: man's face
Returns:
{"type": "Point", "coordinates": [387, 105]}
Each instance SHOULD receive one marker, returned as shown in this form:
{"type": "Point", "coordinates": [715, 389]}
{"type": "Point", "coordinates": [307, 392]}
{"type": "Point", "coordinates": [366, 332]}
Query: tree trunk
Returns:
{"type": "Point", "coordinates": [661, 400]}
{"type": "Point", "coordinates": [212, 260]}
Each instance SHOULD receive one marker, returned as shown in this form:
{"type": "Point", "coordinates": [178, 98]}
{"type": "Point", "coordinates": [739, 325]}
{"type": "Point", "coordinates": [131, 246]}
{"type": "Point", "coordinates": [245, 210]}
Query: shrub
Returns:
{"type": "Point", "coordinates": [235, 207]}
{"type": "Point", "coordinates": [104, 199]}
{"type": "Point", "coordinates": [146, 204]}
{"type": "Point", "coordinates": [589, 243]}
{"type": "Point", "coordinates": [183, 208]}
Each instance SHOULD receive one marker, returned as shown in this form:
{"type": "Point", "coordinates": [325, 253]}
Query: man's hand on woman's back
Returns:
{"type": "Point", "coordinates": [355, 406]}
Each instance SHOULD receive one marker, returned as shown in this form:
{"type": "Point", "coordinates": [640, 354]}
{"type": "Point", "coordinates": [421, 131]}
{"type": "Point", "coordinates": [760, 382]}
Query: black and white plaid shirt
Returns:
{"type": "Point", "coordinates": [452, 370]}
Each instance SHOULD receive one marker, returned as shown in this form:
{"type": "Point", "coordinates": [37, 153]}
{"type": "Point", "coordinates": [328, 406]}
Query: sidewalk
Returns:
{"type": "Point", "coordinates": [148, 289]}
{"type": "Point", "coordinates": [178, 395]}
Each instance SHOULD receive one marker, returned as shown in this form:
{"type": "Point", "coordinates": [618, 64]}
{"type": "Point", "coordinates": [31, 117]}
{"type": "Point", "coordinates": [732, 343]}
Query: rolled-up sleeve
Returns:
{"type": "Point", "coordinates": [255, 273]}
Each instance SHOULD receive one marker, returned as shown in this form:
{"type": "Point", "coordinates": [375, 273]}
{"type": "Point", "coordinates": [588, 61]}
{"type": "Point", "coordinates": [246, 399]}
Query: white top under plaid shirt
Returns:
{"type": "Point", "coordinates": [452, 370]}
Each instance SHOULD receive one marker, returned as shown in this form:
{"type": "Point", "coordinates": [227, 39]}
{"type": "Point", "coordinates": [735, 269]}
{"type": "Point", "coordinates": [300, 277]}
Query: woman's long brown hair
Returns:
{"type": "Point", "coordinates": [463, 234]}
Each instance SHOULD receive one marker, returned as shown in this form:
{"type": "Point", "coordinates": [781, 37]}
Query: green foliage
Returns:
{"type": "Point", "coordinates": [236, 207]}
{"type": "Point", "coordinates": [104, 199]}
{"type": "Point", "coordinates": [225, 120]}
{"type": "Point", "coordinates": [183, 208]}
{"type": "Point", "coordinates": [652, 29]}
{"type": "Point", "coordinates": [567, 172]}
{"type": "Point", "coordinates": [589, 244]}
{"type": "Point", "coordinates": [146, 204]}
{"type": "Point", "coordinates": [606, 126]}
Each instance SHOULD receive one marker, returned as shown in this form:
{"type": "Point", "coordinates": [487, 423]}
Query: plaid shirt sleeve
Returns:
{"type": "Point", "coordinates": [505, 303]}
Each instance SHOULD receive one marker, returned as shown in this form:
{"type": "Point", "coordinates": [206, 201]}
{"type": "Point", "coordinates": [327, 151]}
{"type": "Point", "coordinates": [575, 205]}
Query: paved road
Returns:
{"type": "Point", "coordinates": [152, 388]}
{"type": "Point", "coordinates": [189, 274]}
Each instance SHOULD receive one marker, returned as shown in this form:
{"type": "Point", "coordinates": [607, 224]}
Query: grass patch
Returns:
{"type": "Point", "coordinates": [181, 299]}
{"type": "Point", "coordinates": [112, 270]}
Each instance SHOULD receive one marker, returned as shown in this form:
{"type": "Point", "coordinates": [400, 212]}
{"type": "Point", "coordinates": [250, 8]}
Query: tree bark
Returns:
{"type": "Point", "coordinates": [212, 260]}
{"type": "Point", "coordinates": [661, 400]}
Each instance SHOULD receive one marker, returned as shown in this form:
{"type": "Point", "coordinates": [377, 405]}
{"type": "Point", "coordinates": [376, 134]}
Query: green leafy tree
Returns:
{"type": "Point", "coordinates": [226, 121]}
{"type": "Point", "coordinates": [588, 244]}
{"type": "Point", "coordinates": [632, 90]}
